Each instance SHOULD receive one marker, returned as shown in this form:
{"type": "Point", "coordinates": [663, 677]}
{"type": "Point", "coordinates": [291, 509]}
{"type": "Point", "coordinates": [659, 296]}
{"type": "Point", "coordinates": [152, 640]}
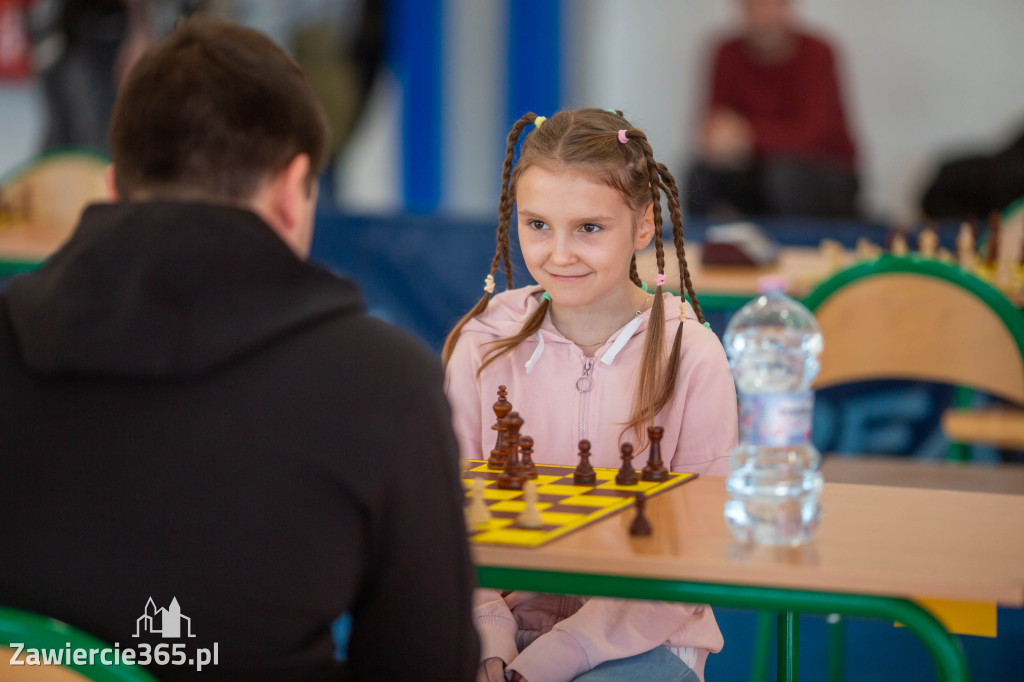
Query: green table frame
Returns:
{"type": "Point", "coordinates": [788, 603]}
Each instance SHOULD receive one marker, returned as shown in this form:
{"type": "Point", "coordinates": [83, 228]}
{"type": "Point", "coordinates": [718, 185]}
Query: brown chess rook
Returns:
{"type": "Point", "coordinates": [627, 474]}
{"type": "Point", "coordinates": [511, 477]}
{"type": "Point", "coordinates": [584, 474]}
{"type": "Point", "coordinates": [501, 410]}
{"type": "Point", "coordinates": [526, 457]}
{"type": "Point", "coordinates": [655, 469]}
{"type": "Point", "coordinates": [640, 527]}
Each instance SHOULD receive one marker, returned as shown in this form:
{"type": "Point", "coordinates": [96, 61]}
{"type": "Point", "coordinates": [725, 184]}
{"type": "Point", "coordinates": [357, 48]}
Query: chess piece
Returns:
{"type": "Point", "coordinates": [584, 474]}
{"type": "Point", "coordinates": [511, 477]}
{"type": "Point", "coordinates": [833, 253]}
{"type": "Point", "coordinates": [993, 238]}
{"type": "Point", "coordinates": [501, 409]}
{"type": "Point", "coordinates": [899, 244]}
{"type": "Point", "coordinates": [627, 474]}
{"type": "Point", "coordinates": [526, 457]}
{"type": "Point", "coordinates": [477, 513]}
{"type": "Point", "coordinates": [965, 252]}
{"type": "Point", "coordinates": [928, 242]}
{"type": "Point", "coordinates": [640, 527]}
{"type": "Point", "coordinates": [866, 250]}
{"type": "Point", "coordinates": [655, 469]}
{"type": "Point", "coordinates": [530, 517]}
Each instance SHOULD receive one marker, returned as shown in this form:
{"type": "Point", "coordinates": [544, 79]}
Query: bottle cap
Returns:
{"type": "Point", "coordinates": [769, 283]}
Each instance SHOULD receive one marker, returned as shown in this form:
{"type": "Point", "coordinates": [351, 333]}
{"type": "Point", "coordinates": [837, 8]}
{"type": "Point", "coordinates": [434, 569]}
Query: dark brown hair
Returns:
{"type": "Point", "coordinates": [587, 140]}
{"type": "Point", "coordinates": [210, 112]}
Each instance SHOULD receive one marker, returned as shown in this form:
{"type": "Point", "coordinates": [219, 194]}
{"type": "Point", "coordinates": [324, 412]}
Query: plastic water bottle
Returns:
{"type": "Point", "coordinates": [773, 344]}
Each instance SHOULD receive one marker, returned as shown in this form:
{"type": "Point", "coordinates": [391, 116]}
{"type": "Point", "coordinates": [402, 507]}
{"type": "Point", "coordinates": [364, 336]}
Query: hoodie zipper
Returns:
{"type": "Point", "coordinates": [584, 385]}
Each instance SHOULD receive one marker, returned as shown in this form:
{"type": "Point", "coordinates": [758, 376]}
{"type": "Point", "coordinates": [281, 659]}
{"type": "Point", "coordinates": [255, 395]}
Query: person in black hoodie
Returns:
{"type": "Point", "coordinates": [199, 428]}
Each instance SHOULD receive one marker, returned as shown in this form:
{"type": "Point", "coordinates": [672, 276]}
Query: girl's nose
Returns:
{"type": "Point", "coordinates": [562, 249]}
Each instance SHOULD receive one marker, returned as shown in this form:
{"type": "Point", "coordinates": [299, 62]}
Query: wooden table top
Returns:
{"type": "Point", "coordinates": [878, 540]}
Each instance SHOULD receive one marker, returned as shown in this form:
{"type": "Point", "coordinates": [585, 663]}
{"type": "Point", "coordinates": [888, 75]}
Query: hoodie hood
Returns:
{"type": "Point", "coordinates": [164, 289]}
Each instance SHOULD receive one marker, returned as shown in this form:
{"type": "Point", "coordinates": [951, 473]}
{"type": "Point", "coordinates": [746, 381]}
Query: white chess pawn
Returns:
{"type": "Point", "coordinates": [477, 513]}
{"type": "Point", "coordinates": [965, 252]}
{"type": "Point", "coordinates": [833, 253]}
{"type": "Point", "coordinates": [530, 516]}
{"type": "Point", "coordinates": [899, 245]}
{"type": "Point", "coordinates": [927, 242]}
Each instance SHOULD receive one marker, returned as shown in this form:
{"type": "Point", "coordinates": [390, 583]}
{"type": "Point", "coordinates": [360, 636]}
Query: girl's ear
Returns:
{"type": "Point", "coordinates": [644, 228]}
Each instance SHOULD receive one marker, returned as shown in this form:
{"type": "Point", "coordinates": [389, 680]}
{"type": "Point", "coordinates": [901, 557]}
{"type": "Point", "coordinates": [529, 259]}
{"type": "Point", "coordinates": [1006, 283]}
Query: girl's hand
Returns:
{"type": "Point", "coordinates": [491, 670]}
{"type": "Point", "coordinates": [516, 677]}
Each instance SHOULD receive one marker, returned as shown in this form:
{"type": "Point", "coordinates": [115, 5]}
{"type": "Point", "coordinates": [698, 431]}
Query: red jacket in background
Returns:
{"type": "Point", "coordinates": [795, 106]}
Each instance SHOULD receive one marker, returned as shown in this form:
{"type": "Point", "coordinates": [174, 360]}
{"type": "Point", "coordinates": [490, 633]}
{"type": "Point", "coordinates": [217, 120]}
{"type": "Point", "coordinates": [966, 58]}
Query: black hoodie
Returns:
{"type": "Point", "coordinates": [189, 411]}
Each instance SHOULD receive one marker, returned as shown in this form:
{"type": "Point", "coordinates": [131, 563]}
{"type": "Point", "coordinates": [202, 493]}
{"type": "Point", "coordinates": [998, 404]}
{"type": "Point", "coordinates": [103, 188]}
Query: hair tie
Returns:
{"type": "Point", "coordinates": [612, 111]}
{"type": "Point", "coordinates": [540, 119]}
{"type": "Point", "coordinates": [489, 284]}
{"type": "Point", "coordinates": [708, 325]}
{"type": "Point", "coordinates": [622, 137]}
{"type": "Point", "coordinates": [546, 296]}
{"type": "Point", "coordinates": [659, 279]}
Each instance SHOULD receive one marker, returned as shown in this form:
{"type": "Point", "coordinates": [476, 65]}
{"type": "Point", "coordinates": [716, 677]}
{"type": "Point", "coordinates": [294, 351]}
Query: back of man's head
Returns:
{"type": "Point", "coordinates": [210, 113]}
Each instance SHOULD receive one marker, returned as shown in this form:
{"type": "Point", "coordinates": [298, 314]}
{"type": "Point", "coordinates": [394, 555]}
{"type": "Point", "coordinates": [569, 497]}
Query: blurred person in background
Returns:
{"type": "Point", "coordinates": [773, 138]}
{"type": "Point", "coordinates": [82, 51]}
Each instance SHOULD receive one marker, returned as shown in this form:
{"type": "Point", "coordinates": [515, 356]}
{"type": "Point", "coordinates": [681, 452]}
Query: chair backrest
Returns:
{"type": "Point", "coordinates": [32, 631]}
{"type": "Point", "coordinates": [916, 318]}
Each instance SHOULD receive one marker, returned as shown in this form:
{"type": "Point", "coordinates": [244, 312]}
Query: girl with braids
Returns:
{"type": "Point", "coordinates": [589, 353]}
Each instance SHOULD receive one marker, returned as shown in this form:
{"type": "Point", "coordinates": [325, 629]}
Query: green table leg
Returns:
{"type": "Point", "coordinates": [836, 647]}
{"type": "Point", "coordinates": [759, 669]}
{"type": "Point", "coordinates": [788, 647]}
{"type": "Point", "coordinates": [944, 648]}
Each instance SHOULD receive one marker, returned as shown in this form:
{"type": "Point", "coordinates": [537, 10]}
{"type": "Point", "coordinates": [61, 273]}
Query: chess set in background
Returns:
{"type": "Point", "coordinates": [995, 254]}
{"type": "Point", "coordinates": [513, 500]}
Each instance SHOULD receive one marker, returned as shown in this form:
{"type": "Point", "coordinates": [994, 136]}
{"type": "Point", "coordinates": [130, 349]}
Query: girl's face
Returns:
{"type": "Point", "coordinates": [577, 236]}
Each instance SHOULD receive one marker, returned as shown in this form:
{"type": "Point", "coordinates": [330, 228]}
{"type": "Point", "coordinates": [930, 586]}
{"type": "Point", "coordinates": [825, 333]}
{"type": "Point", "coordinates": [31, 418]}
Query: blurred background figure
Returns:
{"type": "Point", "coordinates": [774, 138]}
{"type": "Point", "coordinates": [971, 185]}
{"type": "Point", "coordinates": [82, 51]}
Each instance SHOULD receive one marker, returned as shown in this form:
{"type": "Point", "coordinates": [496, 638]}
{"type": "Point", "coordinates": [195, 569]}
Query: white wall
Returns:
{"type": "Point", "coordinates": [924, 77]}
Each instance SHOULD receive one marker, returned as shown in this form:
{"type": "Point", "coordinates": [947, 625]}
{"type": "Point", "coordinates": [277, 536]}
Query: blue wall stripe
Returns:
{"type": "Point", "coordinates": [416, 49]}
{"type": "Point", "coordinates": [534, 58]}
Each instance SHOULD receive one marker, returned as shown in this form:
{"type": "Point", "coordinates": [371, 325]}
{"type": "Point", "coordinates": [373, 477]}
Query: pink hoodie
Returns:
{"type": "Point", "coordinates": [568, 635]}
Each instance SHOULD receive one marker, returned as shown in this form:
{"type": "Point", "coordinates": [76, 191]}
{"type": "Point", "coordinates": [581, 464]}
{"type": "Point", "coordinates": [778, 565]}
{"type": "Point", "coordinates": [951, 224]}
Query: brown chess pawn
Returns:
{"type": "Point", "coordinates": [511, 477]}
{"type": "Point", "coordinates": [501, 409]}
{"type": "Point", "coordinates": [627, 474]}
{"type": "Point", "coordinates": [584, 474]}
{"type": "Point", "coordinates": [655, 469]}
{"type": "Point", "coordinates": [640, 527]}
{"type": "Point", "coordinates": [994, 220]}
{"type": "Point", "coordinates": [526, 457]}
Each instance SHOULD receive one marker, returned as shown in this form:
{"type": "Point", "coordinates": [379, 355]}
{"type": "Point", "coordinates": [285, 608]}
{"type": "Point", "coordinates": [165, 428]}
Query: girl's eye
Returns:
{"type": "Point", "coordinates": [537, 224]}
{"type": "Point", "coordinates": [590, 228]}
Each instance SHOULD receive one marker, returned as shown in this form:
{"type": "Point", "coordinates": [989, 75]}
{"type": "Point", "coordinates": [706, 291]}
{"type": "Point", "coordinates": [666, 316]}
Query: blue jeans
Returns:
{"type": "Point", "coordinates": [657, 665]}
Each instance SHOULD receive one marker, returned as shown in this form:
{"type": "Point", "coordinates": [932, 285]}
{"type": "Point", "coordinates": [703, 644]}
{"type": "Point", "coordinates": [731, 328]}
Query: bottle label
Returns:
{"type": "Point", "coordinates": [776, 419]}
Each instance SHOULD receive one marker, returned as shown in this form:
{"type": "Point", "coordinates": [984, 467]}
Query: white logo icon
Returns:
{"type": "Point", "coordinates": [166, 622]}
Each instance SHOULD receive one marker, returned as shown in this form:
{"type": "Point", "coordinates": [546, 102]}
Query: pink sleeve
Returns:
{"type": "Point", "coordinates": [710, 415]}
{"type": "Point", "coordinates": [495, 625]}
{"type": "Point", "coordinates": [609, 629]}
{"type": "Point", "coordinates": [463, 392]}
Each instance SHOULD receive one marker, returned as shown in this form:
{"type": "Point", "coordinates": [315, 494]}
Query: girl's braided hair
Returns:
{"type": "Point", "coordinates": [588, 140]}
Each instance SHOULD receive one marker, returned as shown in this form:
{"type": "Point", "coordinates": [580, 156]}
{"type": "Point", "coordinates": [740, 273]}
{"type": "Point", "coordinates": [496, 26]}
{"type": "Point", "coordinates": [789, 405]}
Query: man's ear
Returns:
{"type": "Point", "coordinates": [111, 179]}
{"type": "Point", "coordinates": [644, 228]}
{"type": "Point", "coordinates": [290, 193]}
